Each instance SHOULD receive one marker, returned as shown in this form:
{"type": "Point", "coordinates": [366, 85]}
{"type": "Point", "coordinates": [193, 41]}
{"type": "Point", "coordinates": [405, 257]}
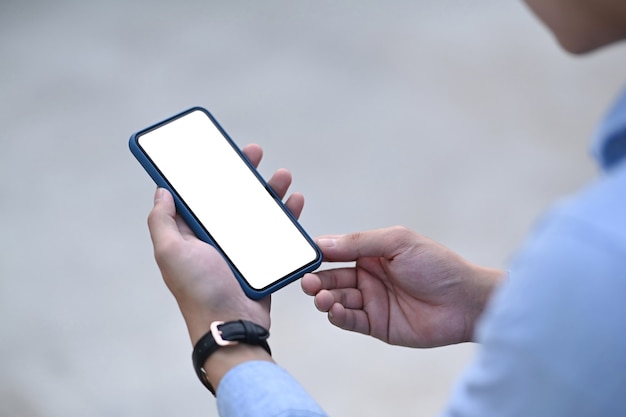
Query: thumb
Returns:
{"type": "Point", "coordinates": [162, 218]}
{"type": "Point", "coordinates": [386, 243]}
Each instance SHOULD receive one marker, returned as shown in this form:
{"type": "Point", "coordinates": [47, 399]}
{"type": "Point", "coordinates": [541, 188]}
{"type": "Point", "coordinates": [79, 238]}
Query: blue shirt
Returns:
{"type": "Point", "coordinates": [553, 338]}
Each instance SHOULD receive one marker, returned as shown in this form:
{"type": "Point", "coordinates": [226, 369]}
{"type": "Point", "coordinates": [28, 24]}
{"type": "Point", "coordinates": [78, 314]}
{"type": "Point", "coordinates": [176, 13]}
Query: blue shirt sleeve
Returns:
{"type": "Point", "coordinates": [262, 388]}
{"type": "Point", "coordinates": [553, 340]}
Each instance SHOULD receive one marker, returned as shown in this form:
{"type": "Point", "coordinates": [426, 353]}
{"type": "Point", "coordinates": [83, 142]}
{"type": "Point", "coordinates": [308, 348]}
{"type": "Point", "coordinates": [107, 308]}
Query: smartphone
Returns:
{"type": "Point", "coordinates": [225, 201]}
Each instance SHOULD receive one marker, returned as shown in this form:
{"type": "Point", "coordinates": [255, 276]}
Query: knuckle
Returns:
{"type": "Point", "coordinates": [354, 237]}
{"type": "Point", "coordinates": [165, 249]}
{"type": "Point", "coordinates": [400, 233]}
{"type": "Point", "coordinates": [153, 217]}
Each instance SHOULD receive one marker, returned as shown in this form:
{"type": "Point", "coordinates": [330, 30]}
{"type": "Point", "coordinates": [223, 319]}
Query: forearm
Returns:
{"type": "Point", "coordinates": [248, 382]}
{"type": "Point", "coordinates": [224, 358]}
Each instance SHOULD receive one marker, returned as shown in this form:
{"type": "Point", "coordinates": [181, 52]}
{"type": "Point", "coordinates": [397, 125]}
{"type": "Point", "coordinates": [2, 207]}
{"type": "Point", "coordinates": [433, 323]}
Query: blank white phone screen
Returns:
{"type": "Point", "coordinates": [234, 207]}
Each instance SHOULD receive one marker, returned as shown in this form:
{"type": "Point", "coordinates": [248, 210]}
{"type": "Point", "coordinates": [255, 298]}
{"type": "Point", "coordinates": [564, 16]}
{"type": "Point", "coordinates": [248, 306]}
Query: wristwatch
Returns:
{"type": "Point", "coordinates": [226, 334]}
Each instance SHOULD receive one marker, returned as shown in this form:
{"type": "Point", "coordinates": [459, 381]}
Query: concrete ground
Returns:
{"type": "Point", "coordinates": [462, 121]}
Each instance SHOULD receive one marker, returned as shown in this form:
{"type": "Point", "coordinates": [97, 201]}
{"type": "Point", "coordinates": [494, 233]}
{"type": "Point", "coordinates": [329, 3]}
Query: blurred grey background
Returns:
{"type": "Point", "coordinates": [461, 120]}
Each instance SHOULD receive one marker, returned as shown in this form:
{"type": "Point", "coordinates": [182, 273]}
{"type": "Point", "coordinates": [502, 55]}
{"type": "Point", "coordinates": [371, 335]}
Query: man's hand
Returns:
{"type": "Point", "coordinates": [404, 289]}
{"type": "Point", "coordinates": [201, 281]}
{"type": "Point", "coordinates": [196, 274]}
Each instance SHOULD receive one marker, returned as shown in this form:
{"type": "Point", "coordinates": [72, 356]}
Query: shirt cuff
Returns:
{"type": "Point", "coordinates": [263, 388]}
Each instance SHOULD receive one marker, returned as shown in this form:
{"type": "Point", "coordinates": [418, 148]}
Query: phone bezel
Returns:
{"type": "Point", "coordinates": [198, 228]}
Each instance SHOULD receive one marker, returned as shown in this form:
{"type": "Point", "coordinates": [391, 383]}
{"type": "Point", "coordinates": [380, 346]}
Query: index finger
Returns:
{"type": "Point", "coordinates": [254, 153]}
{"type": "Point", "coordinates": [386, 243]}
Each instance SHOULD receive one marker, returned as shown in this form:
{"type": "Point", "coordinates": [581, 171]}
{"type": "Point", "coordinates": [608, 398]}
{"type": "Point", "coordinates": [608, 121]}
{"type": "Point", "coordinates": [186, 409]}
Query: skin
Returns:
{"type": "Point", "coordinates": [429, 295]}
{"type": "Point", "coordinates": [582, 26]}
{"type": "Point", "coordinates": [201, 281]}
{"type": "Point", "coordinates": [404, 288]}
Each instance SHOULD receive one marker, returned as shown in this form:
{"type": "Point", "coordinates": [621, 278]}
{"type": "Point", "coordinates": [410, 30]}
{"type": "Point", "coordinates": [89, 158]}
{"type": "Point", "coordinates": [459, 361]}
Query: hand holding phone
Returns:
{"type": "Point", "coordinates": [225, 201]}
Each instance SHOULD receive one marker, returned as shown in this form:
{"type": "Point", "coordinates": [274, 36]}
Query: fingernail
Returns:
{"type": "Point", "coordinates": [327, 243]}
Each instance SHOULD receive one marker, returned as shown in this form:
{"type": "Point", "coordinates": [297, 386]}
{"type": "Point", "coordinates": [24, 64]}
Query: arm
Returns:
{"type": "Point", "coordinates": [203, 286]}
{"type": "Point", "coordinates": [552, 341]}
{"type": "Point", "coordinates": [404, 289]}
{"type": "Point", "coordinates": [207, 291]}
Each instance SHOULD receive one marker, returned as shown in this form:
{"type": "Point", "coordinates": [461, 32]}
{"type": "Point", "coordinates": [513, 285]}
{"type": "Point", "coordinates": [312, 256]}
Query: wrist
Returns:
{"type": "Point", "coordinates": [483, 284]}
{"type": "Point", "coordinates": [198, 322]}
{"type": "Point", "coordinates": [198, 317]}
{"type": "Point", "coordinates": [226, 345]}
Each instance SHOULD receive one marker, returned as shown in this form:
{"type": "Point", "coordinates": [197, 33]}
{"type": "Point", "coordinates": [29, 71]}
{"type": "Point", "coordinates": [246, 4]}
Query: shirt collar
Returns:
{"type": "Point", "coordinates": [609, 143]}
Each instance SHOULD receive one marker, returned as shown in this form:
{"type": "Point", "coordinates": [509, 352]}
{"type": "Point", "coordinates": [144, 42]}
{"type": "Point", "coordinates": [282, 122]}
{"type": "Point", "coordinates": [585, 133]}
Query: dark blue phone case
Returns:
{"type": "Point", "coordinates": [193, 222]}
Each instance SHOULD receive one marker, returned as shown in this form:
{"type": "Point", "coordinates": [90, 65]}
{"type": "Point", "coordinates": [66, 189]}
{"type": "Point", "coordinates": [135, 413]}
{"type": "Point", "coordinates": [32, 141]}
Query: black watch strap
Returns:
{"type": "Point", "coordinates": [225, 334]}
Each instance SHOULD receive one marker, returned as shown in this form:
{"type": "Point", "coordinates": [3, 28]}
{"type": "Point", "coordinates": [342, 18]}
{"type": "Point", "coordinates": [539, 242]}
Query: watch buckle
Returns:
{"type": "Point", "coordinates": [217, 335]}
